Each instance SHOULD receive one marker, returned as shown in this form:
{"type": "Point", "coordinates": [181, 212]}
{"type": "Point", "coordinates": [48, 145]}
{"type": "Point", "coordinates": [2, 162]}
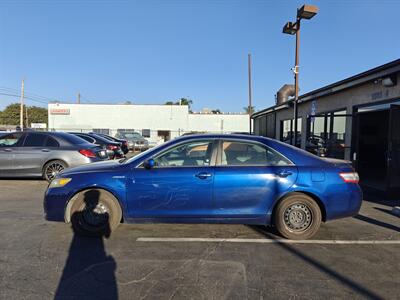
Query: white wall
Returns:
{"type": "Point", "coordinates": [174, 118]}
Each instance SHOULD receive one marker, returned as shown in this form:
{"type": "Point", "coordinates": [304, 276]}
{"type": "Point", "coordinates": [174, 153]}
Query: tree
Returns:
{"type": "Point", "coordinates": [249, 110]}
{"type": "Point", "coordinates": [37, 115]}
{"type": "Point", "coordinates": [11, 114]}
{"type": "Point", "coordinates": [216, 111]}
{"type": "Point", "coordinates": [181, 101]}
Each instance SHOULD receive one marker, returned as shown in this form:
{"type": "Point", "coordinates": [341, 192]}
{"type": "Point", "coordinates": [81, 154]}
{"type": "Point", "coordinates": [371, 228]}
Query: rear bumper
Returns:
{"type": "Point", "coordinates": [346, 203]}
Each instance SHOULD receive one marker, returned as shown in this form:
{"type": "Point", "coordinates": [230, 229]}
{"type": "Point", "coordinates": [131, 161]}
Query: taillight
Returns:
{"type": "Point", "coordinates": [350, 177]}
{"type": "Point", "coordinates": [112, 147]}
{"type": "Point", "coordinates": [87, 153]}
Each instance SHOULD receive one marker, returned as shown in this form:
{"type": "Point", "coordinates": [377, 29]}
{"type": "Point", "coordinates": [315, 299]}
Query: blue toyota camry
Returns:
{"type": "Point", "coordinates": [208, 179]}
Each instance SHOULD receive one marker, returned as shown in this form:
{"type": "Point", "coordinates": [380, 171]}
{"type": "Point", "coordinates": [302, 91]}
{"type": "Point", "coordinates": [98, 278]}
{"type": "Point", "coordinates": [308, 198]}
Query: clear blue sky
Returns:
{"type": "Point", "coordinates": [155, 51]}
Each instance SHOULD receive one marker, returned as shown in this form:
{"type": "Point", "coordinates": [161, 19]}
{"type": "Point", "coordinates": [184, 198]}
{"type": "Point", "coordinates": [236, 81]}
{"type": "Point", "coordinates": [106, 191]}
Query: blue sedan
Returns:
{"type": "Point", "coordinates": [238, 179]}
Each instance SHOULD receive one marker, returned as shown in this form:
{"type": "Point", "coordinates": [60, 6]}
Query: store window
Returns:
{"type": "Point", "coordinates": [327, 133]}
{"type": "Point", "coordinates": [102, 130]}
{"type": "Point", "coordinates": [287, 132]}
{"type": "Point", "coordinates": [146, 133]}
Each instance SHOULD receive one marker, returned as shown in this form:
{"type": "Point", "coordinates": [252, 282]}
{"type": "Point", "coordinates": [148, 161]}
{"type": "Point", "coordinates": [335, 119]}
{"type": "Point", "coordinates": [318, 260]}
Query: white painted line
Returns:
{"type": "Point", "coordinates": [270, 241]}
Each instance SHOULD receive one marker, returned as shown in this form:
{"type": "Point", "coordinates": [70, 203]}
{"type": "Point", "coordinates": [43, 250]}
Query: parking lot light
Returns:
{"type": "Point", "coordinates": [304, 12]}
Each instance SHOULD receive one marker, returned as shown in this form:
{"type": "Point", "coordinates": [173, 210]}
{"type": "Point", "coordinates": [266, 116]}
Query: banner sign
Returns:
{"type": "Point", "coordinates": [59, 111]}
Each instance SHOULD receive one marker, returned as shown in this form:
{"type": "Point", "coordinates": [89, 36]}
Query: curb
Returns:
{"type": "Point", "coordinates": [396, 211]}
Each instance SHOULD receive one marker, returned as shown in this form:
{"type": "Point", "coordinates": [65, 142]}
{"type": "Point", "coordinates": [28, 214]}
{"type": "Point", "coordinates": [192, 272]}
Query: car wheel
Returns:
{"type": "Point", "coordinates": [52, 168]}
{"type": "Point", "coordinates": [297, 216]}
{"type": "Point", "coordinates": [95, 212]}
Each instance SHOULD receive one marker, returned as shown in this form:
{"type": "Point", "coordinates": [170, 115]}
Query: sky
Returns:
{"type": "Point", "coordinates": [150, 52]}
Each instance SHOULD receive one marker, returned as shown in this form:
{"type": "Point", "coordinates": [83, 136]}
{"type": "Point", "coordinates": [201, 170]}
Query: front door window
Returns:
{"type": "Point", "coordinates": [193, 154]}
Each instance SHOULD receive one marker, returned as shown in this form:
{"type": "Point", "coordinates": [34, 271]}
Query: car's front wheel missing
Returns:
{"type": "Point", "coordinates": [297, 216]}
{"type": "Point", "coordinates": [95, 212]}
{"type": "Point", "coordinates": [52, 168]}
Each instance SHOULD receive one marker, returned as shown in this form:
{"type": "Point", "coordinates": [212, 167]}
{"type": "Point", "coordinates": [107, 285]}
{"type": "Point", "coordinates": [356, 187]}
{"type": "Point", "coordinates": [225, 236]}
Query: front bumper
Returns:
{"type": "Point", "coordinates": [54, 203]}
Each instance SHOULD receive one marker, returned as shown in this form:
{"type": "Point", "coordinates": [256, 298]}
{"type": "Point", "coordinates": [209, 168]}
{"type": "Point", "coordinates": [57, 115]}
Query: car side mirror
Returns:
{"type": "Point", "coordinates": [149, 164]}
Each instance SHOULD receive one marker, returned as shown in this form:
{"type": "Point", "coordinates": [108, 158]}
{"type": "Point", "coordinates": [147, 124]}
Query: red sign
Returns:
{"type": "Point", "coordinates": [59, 111]}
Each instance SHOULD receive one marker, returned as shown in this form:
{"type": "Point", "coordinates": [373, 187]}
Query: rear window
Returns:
{"type": "Point", "coordinates": [52, 142]}
{"type": "Point", "coordinates": [73, 139]}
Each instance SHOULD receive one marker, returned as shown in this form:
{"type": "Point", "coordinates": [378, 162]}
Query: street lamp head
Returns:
{"type": "Point", "coordinates": [307, 12]}
{"type": "Point", "coordinates": [289, 28]}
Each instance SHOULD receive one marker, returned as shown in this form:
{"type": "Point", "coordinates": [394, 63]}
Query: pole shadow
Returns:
{"type": "Point", "coordinates": [353, 285]}
{"type": "Point", "coordinates": [89, 273]}
{"type": "Point", "coordinates": [377, 222]}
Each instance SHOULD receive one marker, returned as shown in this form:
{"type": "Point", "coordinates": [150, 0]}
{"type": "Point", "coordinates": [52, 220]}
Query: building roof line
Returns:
{"type": "Point", "coordinates": [380, 71]}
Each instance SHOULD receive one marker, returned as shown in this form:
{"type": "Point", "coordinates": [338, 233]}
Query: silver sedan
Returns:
{"type": "Point", "coordinates": [44, 154]}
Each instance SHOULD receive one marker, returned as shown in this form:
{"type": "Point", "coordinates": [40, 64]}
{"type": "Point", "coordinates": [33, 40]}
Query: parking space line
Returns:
{"type": "Point", "coordinates": [270, 241]}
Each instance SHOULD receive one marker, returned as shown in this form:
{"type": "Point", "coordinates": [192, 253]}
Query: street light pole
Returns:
{"type": "Point", "coordinates": [296, 81]}
{"type": "Point", "coordinates": [304, 12]}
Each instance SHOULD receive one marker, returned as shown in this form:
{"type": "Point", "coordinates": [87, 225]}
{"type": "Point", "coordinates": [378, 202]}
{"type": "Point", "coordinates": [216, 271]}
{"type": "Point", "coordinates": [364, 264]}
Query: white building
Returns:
{"type": "Point", "coordinates": [155, 122]}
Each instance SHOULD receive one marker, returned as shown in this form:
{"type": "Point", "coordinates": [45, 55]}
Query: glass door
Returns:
{"type": "Point", "coordinates": [393, 155]}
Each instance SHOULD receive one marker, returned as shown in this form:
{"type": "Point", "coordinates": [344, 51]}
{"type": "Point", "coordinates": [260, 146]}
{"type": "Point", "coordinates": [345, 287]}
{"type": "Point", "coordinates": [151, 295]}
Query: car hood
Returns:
{"type": "Point", "coordinates": [108, 165]}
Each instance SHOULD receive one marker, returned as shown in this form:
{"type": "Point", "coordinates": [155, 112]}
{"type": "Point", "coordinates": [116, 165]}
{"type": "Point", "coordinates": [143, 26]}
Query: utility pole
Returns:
{"type": "Point", "coordinates": [250, 105]}
{"type": "Point", "coordinates": [26, 116]}
{"type": "Point", "coordinates": [79, 98]}
{"type": "Point", "coordinates": [21, 111]}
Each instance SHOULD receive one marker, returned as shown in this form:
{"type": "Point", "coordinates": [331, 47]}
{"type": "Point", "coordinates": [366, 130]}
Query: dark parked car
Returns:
{"type": "Point", "coordinates": [44, 154]}
{"type": "Point", "coordinates": [123, 143]}
{"type": "Point", "coordinates": [113, 148]}
{"type": "Point", "coordinates": [241, 179]}
{"type": "Point", "coordinates": [135, 140]}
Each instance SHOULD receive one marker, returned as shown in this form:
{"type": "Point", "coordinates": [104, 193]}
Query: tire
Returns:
{"type": "Point", "coordinates": [95, 212]}
{"type": "Point", "coordinates": [52, 168]}
{"type": "Point", "coordinates": [297, 217]}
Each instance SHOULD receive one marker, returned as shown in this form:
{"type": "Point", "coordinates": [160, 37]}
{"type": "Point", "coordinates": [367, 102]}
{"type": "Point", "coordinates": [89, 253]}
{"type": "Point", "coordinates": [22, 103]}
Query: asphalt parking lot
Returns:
{"type": "Point", "coordinates": [356, 258]}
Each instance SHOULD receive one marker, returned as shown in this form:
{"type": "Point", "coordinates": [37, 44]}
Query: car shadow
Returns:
{"type": "Point", "coordinates": [89, 273]}
{"type": "Point", "coordinates": [353, 285]}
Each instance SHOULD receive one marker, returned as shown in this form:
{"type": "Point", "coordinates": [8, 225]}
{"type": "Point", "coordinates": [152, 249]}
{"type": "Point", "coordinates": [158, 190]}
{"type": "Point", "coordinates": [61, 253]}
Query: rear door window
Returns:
{"type": "Point", "coordinates": [35, 140]}
{"type": "Point", "coordinates": [236, 153]}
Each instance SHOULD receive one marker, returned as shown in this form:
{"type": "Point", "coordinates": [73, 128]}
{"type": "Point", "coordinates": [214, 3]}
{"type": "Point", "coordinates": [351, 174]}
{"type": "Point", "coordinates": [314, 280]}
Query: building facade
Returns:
{"type": "Point", "coordinates": [357, 119]}
{"type": "Point", "coordinates": [157, 123]}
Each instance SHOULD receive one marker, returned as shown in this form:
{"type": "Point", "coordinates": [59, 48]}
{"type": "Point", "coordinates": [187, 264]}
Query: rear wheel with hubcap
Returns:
{"type": "Point", "coordinates": [297, 216]}
{"type": "Point", "coordinates": [95, 212]}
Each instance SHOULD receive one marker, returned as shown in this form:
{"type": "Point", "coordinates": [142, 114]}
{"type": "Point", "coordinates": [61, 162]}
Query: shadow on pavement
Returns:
{"type": "Point", "coordinates": [388, 211]}
{"type": "Point", "coordinates": [379, 198]}
{"type": "Point", "coordinates": [377, 222]}
{"type": "Point", "coordinates": [353, 285]}
{"type": "Point", "coordinates": [89, 273]}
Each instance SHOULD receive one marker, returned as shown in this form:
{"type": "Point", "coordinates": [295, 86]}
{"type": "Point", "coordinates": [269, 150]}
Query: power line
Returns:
{"type": "Point", "coordinates": [30, 94]}
{"type": "Point", "coordinates": [25, 97]}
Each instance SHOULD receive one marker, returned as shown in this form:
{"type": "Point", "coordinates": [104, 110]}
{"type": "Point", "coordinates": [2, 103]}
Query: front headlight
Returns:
{"type": "Point", "coordinates": [59, 182]}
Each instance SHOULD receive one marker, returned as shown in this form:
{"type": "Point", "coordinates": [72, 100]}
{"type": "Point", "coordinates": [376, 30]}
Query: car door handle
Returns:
{"type": "Point", "coordinates": [284, 173]}
{"type": "Point", "coordinates": [7, 150]}
{"type": "Point", "coordinates": [45, 150]}
{"type": "Point", "coordinates": [203, 175]}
